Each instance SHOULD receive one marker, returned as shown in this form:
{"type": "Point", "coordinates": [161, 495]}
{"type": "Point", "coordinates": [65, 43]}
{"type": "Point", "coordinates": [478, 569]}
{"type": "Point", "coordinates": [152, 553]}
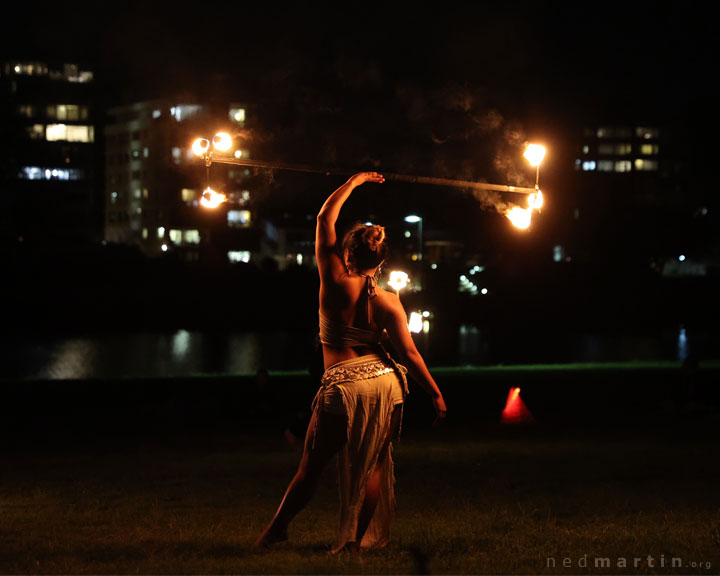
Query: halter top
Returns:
{"type": "Point", "coordinates": [341, 335]}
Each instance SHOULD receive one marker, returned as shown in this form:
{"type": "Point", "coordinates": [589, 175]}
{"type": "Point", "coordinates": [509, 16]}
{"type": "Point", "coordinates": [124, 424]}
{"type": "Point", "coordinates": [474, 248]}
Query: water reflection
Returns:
{"type": "Point", "coordinates": [187, 352]}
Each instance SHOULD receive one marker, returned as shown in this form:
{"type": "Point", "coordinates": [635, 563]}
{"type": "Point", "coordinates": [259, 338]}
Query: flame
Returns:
{"type": "Point", "coordinates": [222, 141]}
{"type": "Point", "coordinates": [398, 280]}
{"type": "Point", "coordinates": [535, 201]}
{"type": "Point", "coordinates": [200, 146]}
{"type": "Point", "coordinates": [212, 199]}
{"type": "Point", "coordinates": [520, 217]}
{"type": "Point", "coordinates": [534, 154]}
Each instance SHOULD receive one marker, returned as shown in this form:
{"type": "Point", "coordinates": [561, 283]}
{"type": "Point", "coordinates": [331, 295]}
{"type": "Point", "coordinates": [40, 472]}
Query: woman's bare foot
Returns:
{"type": "Point", "coordinates": [270, 536]}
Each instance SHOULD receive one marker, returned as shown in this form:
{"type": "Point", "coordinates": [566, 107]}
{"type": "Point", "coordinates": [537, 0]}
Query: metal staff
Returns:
{"type": "Point", "coordinates": [388, 176]}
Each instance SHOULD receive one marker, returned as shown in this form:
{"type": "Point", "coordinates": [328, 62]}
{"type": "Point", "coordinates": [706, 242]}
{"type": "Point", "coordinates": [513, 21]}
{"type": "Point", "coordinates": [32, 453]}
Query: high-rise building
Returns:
{"type": "Point", "coordinates": [155, 183]}
{"type": "Point", "coordinates": [50, 160]}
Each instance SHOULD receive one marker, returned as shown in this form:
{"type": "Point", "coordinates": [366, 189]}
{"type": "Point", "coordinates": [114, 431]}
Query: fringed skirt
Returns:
{"type": "Point", "coordinates": [366, 389]}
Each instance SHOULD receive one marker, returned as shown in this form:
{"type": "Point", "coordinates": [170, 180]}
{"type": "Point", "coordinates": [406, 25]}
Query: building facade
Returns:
{"type": "Point", "coordinates": [51, 162]}
{"type": "Point", "coordinates": [155, 183]}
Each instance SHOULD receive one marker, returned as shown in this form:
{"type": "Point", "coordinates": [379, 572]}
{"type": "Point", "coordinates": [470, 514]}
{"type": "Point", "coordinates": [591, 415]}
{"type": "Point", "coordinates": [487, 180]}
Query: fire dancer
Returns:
{"type": "Point", "coordinates": [358, 409]}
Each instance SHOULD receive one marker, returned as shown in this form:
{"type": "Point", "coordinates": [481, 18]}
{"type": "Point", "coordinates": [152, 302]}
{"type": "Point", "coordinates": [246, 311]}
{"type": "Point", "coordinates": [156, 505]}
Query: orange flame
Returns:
{"type": "Point", "coordinates": [212, 199]}
{"type": "Point", "coordinates": [520, 217]}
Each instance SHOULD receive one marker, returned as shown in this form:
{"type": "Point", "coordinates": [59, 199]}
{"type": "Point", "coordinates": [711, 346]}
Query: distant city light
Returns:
{"type": "Point", "coordinates": [412, 219]}
{"type": "Point", "coordinates": [681, 257]}
{"type": "Point", "coordinates": [164, 248]}
{"type": "Point", "coordinates": [415, 324]}
{"type": "Point", "coordinates": [484, 291]}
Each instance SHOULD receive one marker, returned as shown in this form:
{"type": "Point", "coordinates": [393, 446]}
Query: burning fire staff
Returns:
{"type": "Point", "coordinates": [357, 411]}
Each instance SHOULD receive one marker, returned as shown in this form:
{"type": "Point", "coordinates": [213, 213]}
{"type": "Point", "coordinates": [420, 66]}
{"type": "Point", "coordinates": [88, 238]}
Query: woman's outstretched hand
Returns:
{"type": "Point", "coordinates": [362, 177]}
{"type": "Point", "coordinates": [440, 410]}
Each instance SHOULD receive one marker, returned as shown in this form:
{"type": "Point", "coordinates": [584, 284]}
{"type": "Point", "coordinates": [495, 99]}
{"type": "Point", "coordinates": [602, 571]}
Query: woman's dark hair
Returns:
{"type": "Point", "coordinates": [366, 246]}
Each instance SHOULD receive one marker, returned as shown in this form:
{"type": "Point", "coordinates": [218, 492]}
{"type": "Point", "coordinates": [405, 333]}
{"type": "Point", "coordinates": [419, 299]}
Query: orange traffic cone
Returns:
{"type": "Point", "coordinates": [515, 411]}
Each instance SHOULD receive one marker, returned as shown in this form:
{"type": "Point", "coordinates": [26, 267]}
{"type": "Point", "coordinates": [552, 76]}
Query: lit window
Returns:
{"type": "Point", "coordinates": [188, 195]}
{"type": "Point", "coordinates": [191, 236]}
{"type": "Point", "coordinates": [238, 218]}
{"type": "Point", "coordinates": [237, 114]}
{"type": "Point", "coordinates": [176, 236]}
{"type": "Point", "coordinates": [646, 165]}
{"type": "Point", "coordinates": [161, 232]}
{"type": "Point", "coordinates": [145, 233]}
{"type": "Point", "coordinates": [623, 149]}
{"type": "Point", "coordinates": [649, 149]}
{"type": "Point", "coordinates": [647, 133]}
{"type": "Point", "coordinates": [157, 113]}
{"type": "Point", "coordinates": [238, 256]}
{"type": "Point", "coordinates": [623, 166]}
{"type": "Point", "coordinates": [113, 197]}
{"type": "Point", "coordinates": [26, 111]}
{"type": "Point", "coordinates": [37, 173]}
{"type": "Point", "coordinates": [30, 68]}
{"type": "Point", "coordinates": [63, 132]}
{"type": "Point", "coordinates": [605, 166]}
{"type": "Point", "coordinates": [176, 155]}
{"type": "Point", "coordinates": [558, 253]}
{"type": "Point", "coordinates": [36, 131]}
{"type": "Point", "coordinates": [586, 149]}
{"type": "Point", "coordinates": [614, 132]}
{"type": "Point", "coordinates": [589, 165]}
{"type": "Point", "coordinates": [184, 111]}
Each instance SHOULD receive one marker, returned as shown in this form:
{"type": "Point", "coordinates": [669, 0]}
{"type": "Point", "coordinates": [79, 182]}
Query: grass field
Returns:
{"type": "Point", "coordinates": [472, 499]}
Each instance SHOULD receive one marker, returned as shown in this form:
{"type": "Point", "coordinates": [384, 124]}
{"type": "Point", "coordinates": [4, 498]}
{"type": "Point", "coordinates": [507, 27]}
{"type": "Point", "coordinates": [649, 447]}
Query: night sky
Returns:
{"type": "Point", "coordinates": [444, 89]}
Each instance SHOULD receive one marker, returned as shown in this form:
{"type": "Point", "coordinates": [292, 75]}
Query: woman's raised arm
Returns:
{"type": "Point", "coordinates": [325, 234]}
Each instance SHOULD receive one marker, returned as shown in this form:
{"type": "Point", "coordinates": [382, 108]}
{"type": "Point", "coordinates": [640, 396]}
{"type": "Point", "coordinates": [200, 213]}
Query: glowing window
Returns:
{"type": "Point", "coordinates": [623, 166]}
{"type": "Point", "coordinates": [647, 133]}
{"type": "Point", "coordinates": [176, 155]}
{"type": "Point", "coordinates": [238, 256]}
{"type": "Point", "coordinates": [238, 218]}
{"type": "Point", "coordinates": [191, 237]}
{"type": "Point", "coordinates": [63, 132]}
{"type": "Point", "coordinates": [188, 195]}
{"type": "Point", "coordinates": [26, 110]}
{"type": "Point", "coordinates": [589, 166]}
{"type": "Point", "coordinates": [623, 149]}
{"type": "Point", "coordinates": [38, 173]}
{"type": "Point", "coordinates": [614, 132]}
{"type": "Point", "coordinates": [184, 111]}
{"type": "Point", "coordinates": [649, 149]}
{"type": "Point", "coordinates": [176, 236]}
{"type": "Point", "coordinates": [36, 131]}
{"type": "Point", "coordinates": [237, 114]}
{"type": "Point", "coordinates": [605, 166]}
{"type": "Point", "coordinates": [646, 165]}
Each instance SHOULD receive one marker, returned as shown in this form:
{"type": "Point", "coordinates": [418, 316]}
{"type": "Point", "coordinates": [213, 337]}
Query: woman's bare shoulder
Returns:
{"type": "Point", "coordinates": [388, 301]}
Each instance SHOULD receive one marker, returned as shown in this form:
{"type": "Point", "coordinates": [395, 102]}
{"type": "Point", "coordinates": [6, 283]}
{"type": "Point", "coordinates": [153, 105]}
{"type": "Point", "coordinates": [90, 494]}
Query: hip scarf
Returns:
{"type": "Point", "coordinates": [366, 389]}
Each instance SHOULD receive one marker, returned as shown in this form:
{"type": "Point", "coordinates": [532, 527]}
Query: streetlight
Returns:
{"type": "Point", "coordinates": [414, 219]}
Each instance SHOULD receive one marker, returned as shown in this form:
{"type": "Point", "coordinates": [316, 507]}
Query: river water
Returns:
{"type": "Point", "coordinates": [186, 353]}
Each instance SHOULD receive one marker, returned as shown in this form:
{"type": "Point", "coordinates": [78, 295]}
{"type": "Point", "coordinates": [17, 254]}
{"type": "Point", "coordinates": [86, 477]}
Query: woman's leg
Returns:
{"type": "Point", "coordinates": [329, 437]}
{"type": "Point", "coordinates": [372, 489]}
